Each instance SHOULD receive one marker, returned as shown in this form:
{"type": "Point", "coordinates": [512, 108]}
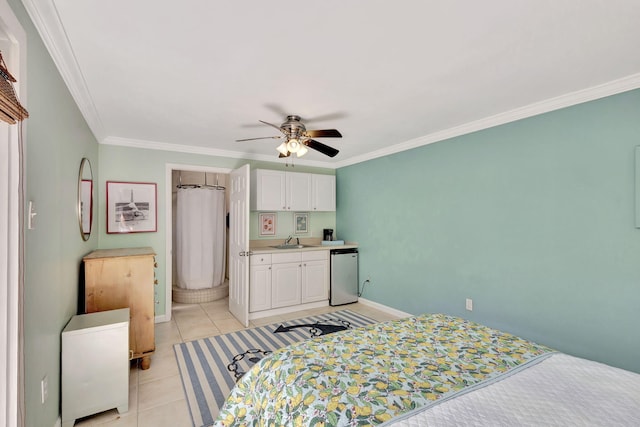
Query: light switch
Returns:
{"type": "Point", "coordinates": [31, 216]}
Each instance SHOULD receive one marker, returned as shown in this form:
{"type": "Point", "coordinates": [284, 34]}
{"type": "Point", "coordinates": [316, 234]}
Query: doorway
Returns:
{"type": "Point", "coordinates": [193, 175]}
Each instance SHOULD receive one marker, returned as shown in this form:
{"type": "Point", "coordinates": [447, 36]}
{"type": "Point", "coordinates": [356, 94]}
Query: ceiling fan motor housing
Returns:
{"type": "Point", "coordinates": [293, 128]}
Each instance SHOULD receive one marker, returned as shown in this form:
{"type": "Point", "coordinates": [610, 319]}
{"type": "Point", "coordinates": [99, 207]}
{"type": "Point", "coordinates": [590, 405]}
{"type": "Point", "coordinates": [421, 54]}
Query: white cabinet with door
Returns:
{"type": "Point", "coordinates": [292, 191]}
{"type": "Point", "coordinates": [268, 190]}
{"type": "Point", "coordinates": [298, 191]}
{"type": "Point", "coordinates": [288, 279]}
{"type": "Point", "coordinates": [285, 284]}
{"type": "Point", "coordinates": [315, 276]}
{"type": "Point", "coordinates": [260, 282]}
{"type": "Point", "coordinates": [323, 192]}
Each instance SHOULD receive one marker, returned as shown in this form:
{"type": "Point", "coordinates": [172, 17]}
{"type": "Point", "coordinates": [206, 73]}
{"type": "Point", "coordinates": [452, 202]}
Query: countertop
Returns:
{"type": "Point", "coordinates": [266, 246]}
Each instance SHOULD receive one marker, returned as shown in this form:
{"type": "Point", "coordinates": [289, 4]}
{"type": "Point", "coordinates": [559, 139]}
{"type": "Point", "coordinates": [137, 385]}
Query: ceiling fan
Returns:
{"type": "Point", "coordinates": [297, 138]}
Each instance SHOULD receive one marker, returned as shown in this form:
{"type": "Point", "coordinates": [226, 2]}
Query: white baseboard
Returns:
{"type": "Point", "coordinates": [289, 309]}
{"type": "Point", "coordinates": [162, 318]}
{"type": "Point", "coordinates": [384, 308]}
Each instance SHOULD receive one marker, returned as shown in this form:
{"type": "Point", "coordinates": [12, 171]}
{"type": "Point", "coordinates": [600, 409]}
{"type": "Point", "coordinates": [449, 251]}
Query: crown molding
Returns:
{"type": "Point", "coordinates": [45, 18]}
{"type": "Point", "coordinates": [585, 95]}
{"type": "Point", "coordinates": [204, 151]}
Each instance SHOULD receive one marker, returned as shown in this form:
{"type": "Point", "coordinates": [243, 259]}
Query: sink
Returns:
{"type": "Point", "coordinates": [292, 246]}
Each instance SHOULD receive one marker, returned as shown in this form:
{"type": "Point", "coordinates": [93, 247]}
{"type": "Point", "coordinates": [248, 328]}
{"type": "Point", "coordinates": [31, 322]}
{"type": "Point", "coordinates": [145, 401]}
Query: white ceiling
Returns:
{"type": "Point", "coordinates": [196, 75]}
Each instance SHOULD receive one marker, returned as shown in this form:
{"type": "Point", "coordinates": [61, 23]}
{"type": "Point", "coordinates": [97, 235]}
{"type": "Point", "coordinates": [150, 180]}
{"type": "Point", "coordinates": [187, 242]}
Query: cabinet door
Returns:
{"type": "Point", "coordinates": [323, 192]}
{"type": "Point", "coordinates": [268, 190]}
{"type": "Point", "coordinates": [285, 284]}
{"type": "Point", "coordinates": [260, 287]}
{"type": "Point", "coordinates": [298, 190]}
{"type": "Point", "coordinates": [315, 281]}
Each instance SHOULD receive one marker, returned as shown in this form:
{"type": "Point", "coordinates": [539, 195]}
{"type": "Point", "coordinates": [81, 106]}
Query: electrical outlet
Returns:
{"type": "Point", "coordinates": [44, 388]}
{"type": "Point", "coordinates": [469, 304]}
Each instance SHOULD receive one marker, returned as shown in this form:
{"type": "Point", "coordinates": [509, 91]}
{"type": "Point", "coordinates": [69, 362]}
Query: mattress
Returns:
{"type": "Point", "coordinates": [560, 390]}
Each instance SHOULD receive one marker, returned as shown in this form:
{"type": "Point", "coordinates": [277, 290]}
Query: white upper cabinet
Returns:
{"type": "Point", "coordinates": [292, 191]}
{"type": "Point", "coordinates": [323, 192]}
{"type": "Point", "coordinates": [268, 190]}
{"type": "Point", "coordinates": [298, 188]}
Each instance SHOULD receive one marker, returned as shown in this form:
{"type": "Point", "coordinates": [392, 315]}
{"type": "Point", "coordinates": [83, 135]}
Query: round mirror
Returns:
{"type": "Point", "coordinates": [85, 199]}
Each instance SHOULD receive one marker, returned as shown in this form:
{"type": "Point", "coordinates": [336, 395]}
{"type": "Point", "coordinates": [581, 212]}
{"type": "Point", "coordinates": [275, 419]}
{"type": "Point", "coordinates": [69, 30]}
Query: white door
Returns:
{"type": "Point", "coordinates": [239, 245]}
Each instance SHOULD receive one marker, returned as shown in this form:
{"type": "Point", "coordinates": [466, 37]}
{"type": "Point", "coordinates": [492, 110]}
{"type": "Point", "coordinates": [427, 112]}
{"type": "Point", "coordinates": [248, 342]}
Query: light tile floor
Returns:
{"type": "Point", "coordinates": [156, 397]}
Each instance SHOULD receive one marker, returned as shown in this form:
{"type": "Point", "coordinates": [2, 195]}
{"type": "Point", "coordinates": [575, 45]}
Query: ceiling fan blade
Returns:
{"type": "Point", "coordinates": [323, 133]}
{"type": "Point", "coordinates": [277, 109]}
{"type": "Point", "coordinates": [319, 146]}
{"type": "Point", "coordinates": [271, 124]}
{"type": "Point", "coordinates": [326, 117]}
{"type": "Point", "coordinates": [262, 137]}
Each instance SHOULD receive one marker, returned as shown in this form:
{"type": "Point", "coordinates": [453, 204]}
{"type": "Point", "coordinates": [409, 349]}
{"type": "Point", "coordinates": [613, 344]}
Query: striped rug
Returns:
{"type": "Point", "coordinates": [210, 367]}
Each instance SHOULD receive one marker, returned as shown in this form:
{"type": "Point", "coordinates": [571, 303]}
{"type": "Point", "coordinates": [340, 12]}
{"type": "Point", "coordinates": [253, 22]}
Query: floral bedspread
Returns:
{"type": "Point", "coordinates": [367, 376]}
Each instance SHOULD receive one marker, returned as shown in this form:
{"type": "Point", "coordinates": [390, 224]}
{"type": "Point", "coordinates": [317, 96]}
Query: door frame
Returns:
{"type": "Point", "coordinates": [169, 168]}
{"type": "Point", "coordinates": [12, 252]}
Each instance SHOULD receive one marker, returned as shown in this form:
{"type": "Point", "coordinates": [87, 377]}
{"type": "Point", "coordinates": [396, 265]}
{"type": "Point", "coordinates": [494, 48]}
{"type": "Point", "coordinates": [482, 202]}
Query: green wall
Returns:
{"type": "Point", "coordinates": [119, 163]}
{"type": "Point", "coordinates": [57, 138]}
{"type": "Point", "coordinates": [533, 220]}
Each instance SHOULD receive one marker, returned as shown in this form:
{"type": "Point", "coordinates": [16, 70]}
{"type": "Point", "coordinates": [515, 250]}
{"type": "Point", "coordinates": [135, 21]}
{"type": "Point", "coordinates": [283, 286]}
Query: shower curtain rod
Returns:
{"type": "Point", "coordinates": [216, 186]}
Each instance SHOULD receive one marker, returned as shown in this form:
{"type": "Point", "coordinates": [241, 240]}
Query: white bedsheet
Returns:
{"type": "Point", "coordinates": [560, 391]}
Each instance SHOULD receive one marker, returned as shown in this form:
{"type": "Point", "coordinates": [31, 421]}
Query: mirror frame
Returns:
{"type": "Point", "coordinates": [85, 166]}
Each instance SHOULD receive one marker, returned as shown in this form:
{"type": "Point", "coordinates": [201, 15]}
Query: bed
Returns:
{"type": "Point", "coordinates": [430, 370]}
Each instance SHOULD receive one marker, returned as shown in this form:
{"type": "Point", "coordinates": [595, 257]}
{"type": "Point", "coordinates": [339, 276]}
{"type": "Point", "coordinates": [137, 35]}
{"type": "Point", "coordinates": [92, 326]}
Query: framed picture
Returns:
{"type": "Point", "coordinates": [301, 222]}
{"type": "Point", "coordinates": [131, 207]}
{"type": "Point", "coordinates": [267, 223]}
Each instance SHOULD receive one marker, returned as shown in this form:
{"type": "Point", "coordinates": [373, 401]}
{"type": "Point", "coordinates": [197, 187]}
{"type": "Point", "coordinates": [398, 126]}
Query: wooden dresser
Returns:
{"type": "Point", "coordinates": [121, 278]}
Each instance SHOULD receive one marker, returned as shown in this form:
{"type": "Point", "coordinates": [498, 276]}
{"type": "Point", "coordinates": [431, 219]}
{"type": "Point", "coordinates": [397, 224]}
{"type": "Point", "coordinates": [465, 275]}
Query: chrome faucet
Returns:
{"type": "Point", "coordinates": [286, 242]}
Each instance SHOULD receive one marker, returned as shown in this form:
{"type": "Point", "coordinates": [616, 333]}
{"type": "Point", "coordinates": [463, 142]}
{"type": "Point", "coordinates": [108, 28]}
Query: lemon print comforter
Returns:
{"type": "Point", "coordinates": [368, 376]}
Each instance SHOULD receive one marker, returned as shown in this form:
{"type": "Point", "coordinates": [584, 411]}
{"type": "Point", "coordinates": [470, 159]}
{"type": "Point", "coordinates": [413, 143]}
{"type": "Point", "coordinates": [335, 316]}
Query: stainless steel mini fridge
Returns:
{"type": "Point", "coordinates": [344, 276]}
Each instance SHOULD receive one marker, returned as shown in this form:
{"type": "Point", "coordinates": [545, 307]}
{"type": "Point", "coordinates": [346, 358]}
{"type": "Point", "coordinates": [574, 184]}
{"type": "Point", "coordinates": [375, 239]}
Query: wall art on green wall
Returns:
{"type": "Point", "coordinates": [267, 224]}
{"type": "Point", "coordinates": [301, 222]}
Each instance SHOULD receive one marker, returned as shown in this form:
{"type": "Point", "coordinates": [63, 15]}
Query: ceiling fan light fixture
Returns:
{"type": "Point", "coordinates": [282, 148]}
{"type": "Point", "coordinates": [302, 150]}
{"type": "Point", "coordinates": [293, 145]}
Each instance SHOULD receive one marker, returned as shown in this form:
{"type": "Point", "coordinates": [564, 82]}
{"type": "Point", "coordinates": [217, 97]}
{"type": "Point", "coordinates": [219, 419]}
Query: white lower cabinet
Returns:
{"type": "Point", "coordinates": [260, 282]}
{"type": "Point", "coordinates": [285, 284]}
{"type": "Point", "coordinates": [95, 364]}
{"type": "Point", "coordinates": [314, 281]}
{"type": "Point", "coordinates": [287, 279]}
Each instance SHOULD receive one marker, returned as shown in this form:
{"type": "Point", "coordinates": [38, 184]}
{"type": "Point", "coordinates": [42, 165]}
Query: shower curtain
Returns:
{"type": "Point", "coordinates": [200, 237]}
